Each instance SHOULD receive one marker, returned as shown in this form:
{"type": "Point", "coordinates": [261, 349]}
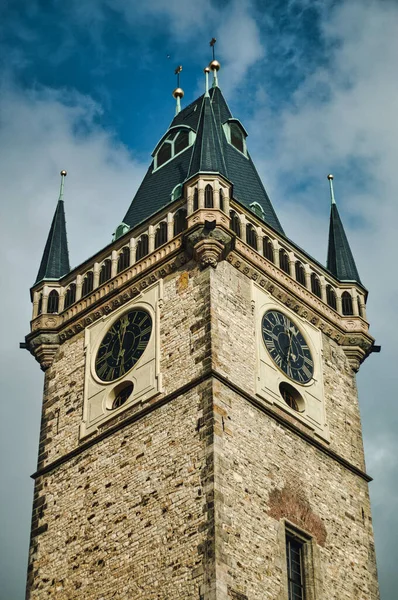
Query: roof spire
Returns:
{"type": "Point", "coordinates": [330, 177]}
{"type": "Point", "coordinates": [214, 64]}
{"type": "Point", "coordinates": [178, 93]}
{"type": "Point", "coordinates": [55, 261]}
{"type": "Point", "coordinates": [340, 260]}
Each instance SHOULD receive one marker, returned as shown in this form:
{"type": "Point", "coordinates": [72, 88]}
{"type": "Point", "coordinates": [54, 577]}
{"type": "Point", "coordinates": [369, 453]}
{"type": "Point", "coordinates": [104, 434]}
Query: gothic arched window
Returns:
{"type": "Point", "coordinates": [88, 284]}
{"type": "Point", "coordinates": [53, 302]}
{"type": "Point", "coordinates": [195, 199]}
{"type": "Point", "coordinates": [208, 196]}
{"type": "Point", "coordinates": [346, 302]}
{"type": "Point", "coordinates": [284, 261]}
{"type": "Point", "coordinates": [70, 296]}
{"type": "Point", "coordinates": [40, 305]}
{"type": "Point", "coordinates": [251, 237]}
{"type": "Point", "coordinates": [331, 297]}
{"type": "Point", "coordinates": [300, 273]}
{"type": "Point", "coordinates": [105, 272]}
{"type": "Point", "coordinates": [235, 222]}
{"type": "Point", "coordinates": [124, 259]}
{"type": "Point", "coordinates": [268, 249]}
{"type": "Point", "coordinates": [316, 285]}
{"type": "Point", "coordinates": [142, 247]}
{"type": "Point", "coordinates": [180, 220]}
{"type": "Point", "coordinates": [161, 234]}
{"type": "Point", "coordinates": [221, 200]}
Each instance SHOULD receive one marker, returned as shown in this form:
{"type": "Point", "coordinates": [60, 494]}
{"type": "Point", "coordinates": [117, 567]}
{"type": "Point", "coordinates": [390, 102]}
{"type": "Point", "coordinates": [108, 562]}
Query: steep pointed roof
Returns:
{"type": "Point", "coordinates": [211, 153]}
{"type": "Point", "coordinates": [340, 260]}
{"type": "Point", "coordinates": [55, 261]}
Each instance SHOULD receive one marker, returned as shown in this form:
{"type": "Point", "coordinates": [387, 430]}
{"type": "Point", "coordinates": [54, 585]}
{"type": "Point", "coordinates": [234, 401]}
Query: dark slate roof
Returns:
{"type": "Point", "coordinates": [340, 260]}
{"type": "Point", "coordinates": [55, 261]}
{"type": "Point", "coordinates": [210, 152]}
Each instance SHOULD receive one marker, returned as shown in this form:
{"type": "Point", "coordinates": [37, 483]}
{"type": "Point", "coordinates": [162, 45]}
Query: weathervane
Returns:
{"type": "Point", "coordinates": [178, 93]}
{"type": "Point", "coordinates": [214, 65]}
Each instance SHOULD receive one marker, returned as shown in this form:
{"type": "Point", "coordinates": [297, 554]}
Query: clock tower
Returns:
{"type": "Point", "coordinates": [200, 433]}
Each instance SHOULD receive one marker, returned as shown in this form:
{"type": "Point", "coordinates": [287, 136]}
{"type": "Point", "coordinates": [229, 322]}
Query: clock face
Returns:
{"type": "Point", "coordinates": [123, 344]}
{"type": "Point", "coordinates": [287, 347]}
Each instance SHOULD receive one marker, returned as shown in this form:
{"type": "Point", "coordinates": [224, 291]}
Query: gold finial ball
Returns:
{"type": "Point", "coordinates": [214, 65]}
{"type": "Point", "coordinates": [330, 177]}
{"type": "Point", "coordinates": [206, 70]}
{"type": "Point", "coordinates": [178, 93]}
{"type": "Point", "coordinates": [63, 173]}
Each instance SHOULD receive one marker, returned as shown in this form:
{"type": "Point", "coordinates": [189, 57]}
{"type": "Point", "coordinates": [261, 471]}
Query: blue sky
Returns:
{"type": "Point", "coordinates": [86, 86]}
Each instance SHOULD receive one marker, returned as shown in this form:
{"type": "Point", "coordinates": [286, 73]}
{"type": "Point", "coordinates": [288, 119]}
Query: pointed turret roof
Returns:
{"type": "Point", "coordinates": [55, 261]}
{"type": "Point", "coordinates": [210, 152]}
{"type": "Point", "coordinates": [340, 260]}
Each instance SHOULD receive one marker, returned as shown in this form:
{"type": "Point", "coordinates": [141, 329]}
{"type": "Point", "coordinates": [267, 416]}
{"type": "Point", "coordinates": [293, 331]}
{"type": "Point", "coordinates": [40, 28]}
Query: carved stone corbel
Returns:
{"type": "Point", "coordinates": [43, 346]}
{"type": "Point", "coordinates": [208, 244]}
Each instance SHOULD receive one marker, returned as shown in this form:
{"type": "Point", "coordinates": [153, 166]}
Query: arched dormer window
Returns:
{"type": "Point", "coordinates": [346, 302]}
{"type": "Point", "coordinates": [251, 237]}
{"type": "Point", "coordinates": [331, 297]}
{"type": "Point", "coordinates": [195, 199]}
{"type": "Point", "coordinates": [237, 137]}
{"type": "Point", "coordinates": [284, 261]}
{"type": "Point", "coordinates": [105, 272]}
{"type": "Point", "coordinates": [235, 222]}
{"type": "Point", "coordinates": [53, 302]}
{"type": "Point", "coordinates": [208, 196]}
{"type": "Point", "coordinates": [88, 284]}
{"type": "Point", "coordinates": [175, 143]}
{"type": "Point", "coordinates": [316, 285]}
{"type": "Point", "coordinates": [300, 273]}
{"type": "Point", "coordinates": [124, 259]}
{"type": "Point", "coordinates": [180, 221]}
{"type": "Point", "coordinates": [221, 200]}
{"type": "Point", "coordinates": [40, 304]}
{"type": "Point", "coordinates": [70, 296]}
{"type": "Point", "coordinates": [161, 234]}
{"type": "Point", "coordinates": [268, 249]}
{"type": "Point", "coordinates": [257, 209]}
{"type": "Point", "coordinates": [142, 247]}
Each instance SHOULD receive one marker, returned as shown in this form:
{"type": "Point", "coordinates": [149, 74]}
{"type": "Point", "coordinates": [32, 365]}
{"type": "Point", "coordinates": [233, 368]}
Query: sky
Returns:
{"type": "Point", "coordinates": [86, 86]}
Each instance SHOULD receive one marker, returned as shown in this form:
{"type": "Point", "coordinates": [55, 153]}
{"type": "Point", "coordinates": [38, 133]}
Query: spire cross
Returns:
{"type": "Point", "coordinates": [212, 44]}
{"type": "Point", "coordinates": [177, 72]}
{"type": "Point", "coordinates": [178, 92]}
{"type": "Point", "coordinates": [61, 190]}
{"type": "Point", "coordinates": [330, 177]}
{"type": "Point", "coordinates": [214, 65]}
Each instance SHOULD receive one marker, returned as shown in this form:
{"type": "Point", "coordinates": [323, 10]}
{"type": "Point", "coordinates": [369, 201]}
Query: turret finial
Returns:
{"type": "Point", "coordinates": [206, 71]}
{"type": "Point", "coordinates": [330, 177]}
{"type": "Point", "coordinates": [178, 93]}
{"type": "Point", "coordinates": [214, 64]}
{"type": "Point", "coordinates": [61, 190]}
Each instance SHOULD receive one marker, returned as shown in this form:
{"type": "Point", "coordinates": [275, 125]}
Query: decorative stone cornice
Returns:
{"type": "Point", "coordinates": [349, 332]}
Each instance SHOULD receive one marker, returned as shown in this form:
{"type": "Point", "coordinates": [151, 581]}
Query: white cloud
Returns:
{"type": "Point", "coordinates": [41, 132]}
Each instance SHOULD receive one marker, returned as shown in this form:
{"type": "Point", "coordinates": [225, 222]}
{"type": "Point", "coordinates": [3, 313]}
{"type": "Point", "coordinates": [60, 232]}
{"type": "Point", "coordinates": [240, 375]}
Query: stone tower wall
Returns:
{"type": "Point", "coordinates": [186, 495]}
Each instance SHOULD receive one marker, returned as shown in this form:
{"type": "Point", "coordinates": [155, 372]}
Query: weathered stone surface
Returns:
{"type": "Point", "coordinates": [186, 496]}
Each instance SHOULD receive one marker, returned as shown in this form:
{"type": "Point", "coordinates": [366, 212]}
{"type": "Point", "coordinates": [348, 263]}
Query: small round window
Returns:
{"type": "Point", "coordinates": [292, 397]}
{"type": "Point", "coordinates": [120, 394]}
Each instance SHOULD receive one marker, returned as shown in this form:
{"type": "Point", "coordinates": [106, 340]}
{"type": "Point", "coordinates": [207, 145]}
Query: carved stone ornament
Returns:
{"type": "Point", "coordinates": [43, 347]}
{"type": "Point", "coordinates": [208, 244]}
